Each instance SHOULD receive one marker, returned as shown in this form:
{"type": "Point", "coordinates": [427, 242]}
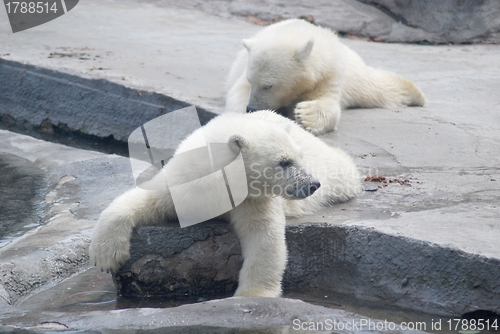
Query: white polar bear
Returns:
{"type": "Point", "coordinates": [306, 73]}
{"type": "Point", "coordinates": [284, 165]}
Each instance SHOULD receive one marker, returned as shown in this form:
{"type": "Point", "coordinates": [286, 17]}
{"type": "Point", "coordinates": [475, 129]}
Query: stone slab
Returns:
{"type": "Point", "coordinates": [231, 315]}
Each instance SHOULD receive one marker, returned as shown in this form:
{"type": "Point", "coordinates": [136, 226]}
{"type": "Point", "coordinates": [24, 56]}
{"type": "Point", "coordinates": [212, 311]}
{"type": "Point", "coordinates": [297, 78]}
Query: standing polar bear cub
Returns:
{"type": "Point", "coordinates": [289, 172]}
{"type": "Point", "coordinates": [306, 72]}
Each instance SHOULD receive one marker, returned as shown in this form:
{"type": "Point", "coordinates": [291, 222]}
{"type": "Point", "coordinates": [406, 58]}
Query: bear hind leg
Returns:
{"type": "Point", "coordinates": [395, 91]}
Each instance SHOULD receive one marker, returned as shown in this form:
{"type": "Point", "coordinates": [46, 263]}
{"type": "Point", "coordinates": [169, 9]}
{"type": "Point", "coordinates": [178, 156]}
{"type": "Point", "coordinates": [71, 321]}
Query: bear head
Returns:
{"type": "Point", "coordinates": [273, 161]}
{"type": "Point", "coordinates": [277, 72]}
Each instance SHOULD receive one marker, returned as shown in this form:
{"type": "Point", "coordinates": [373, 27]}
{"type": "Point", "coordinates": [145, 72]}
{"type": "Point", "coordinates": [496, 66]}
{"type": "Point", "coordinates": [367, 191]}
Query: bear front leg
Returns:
{"type": "Point", "coordinates": [318, 116]}
{"type": "Point", "coordinates": [109, 248]}
{"type": "Point", "coordinates": [261, 230]}
{"type": "Point", "coordinates": [110, 245]}
{"type": "Point", "coordinates": [238, 96]}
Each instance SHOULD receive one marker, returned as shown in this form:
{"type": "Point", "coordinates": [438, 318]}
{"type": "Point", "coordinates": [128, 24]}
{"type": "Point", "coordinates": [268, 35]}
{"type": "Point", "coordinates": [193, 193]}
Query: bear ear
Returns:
{"type": "Point", "coordinates": [247, 43]}
{"type": "Point", "coordinates": [304, 50]}
{"type": "Point", "coordinates": [236, 143]}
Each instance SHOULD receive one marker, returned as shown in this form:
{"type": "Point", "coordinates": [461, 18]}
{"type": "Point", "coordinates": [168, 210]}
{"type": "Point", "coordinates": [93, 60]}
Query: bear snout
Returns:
{"type": "Point", "coordinates": [314, 186]}
{"type": "Point", "coordinates": [304, 190]}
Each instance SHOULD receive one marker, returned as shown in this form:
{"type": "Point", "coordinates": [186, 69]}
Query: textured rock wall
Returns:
{"type": "Point", "coordinates": [416, 21]}
{"type": "Point", "coordinates": [171, 261]}
{"type": "Point", "coordinates": [204, 260]}
{"type": "Point", "coordinates": [448, 21]}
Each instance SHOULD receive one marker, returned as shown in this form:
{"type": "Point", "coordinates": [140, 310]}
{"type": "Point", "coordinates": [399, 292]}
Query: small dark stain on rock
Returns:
{"type": "Point", "coordinates": [376, 178]}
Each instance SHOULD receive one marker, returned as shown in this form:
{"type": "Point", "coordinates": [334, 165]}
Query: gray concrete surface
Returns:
{"type": "Point", "coordinates": [446, 215]}
{"type": "Point", "coordinates": [182, 54]}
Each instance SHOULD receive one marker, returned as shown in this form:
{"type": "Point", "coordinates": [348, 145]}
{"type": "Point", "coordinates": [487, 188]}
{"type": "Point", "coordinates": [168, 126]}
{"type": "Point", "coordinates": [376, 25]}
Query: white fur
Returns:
{"type": "Point", "coordinates": [259, 221]}
{"type": "Point", "coordinates": [313, 77]}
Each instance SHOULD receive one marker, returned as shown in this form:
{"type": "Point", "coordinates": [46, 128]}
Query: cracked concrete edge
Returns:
{"type": "Point", "coordinates": [69, 102]}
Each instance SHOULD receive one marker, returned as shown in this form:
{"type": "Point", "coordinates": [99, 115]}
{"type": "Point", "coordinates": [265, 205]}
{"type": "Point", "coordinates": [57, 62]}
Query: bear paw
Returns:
{"type": "Point", "coordinates": [318, 116]}
{"type": "Point", "coordinates": [107, 255]}
{"type": "Point", "coordinates": [308, 115]}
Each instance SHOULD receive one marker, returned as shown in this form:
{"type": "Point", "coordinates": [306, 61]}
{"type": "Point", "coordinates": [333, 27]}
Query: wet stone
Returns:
{"type": "Point", "coordinates": [170, 261]}
{"type": "Point", "coordinates": [21, 194]}
{"type": "Point", "coordinates": [204, 260]}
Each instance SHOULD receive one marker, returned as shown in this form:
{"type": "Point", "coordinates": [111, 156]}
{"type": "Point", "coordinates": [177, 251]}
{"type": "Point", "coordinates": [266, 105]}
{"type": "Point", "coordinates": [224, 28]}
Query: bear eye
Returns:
{"type": "Point", "coordinates": [286, 163]}
{"type": "Point", "coordinates": [267, 87]}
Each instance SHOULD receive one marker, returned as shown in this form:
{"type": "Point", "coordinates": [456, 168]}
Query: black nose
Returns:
{"type": "Point", "coordinates": [314, 186]}
{"type": "Point", "coordinates": [250, 109]}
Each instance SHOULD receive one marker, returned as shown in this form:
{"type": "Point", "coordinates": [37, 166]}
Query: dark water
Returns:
{"type": "Point", "coordinates": [93, 290]}
{"type": "Point", "coordinates": [22, 189]}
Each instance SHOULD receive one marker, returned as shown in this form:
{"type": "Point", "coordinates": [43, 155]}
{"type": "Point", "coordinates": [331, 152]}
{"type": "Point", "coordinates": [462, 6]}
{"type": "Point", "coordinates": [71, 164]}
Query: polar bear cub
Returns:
{"type": "Point", "coordinates": [306, 73]}
{"type": "Point", "coordinates": [289, 172]}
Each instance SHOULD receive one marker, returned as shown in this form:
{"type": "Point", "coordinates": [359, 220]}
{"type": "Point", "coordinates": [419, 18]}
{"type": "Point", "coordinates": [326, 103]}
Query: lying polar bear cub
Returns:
{"type": "Point", "coordinates": [289, 173]}
{"type": "Point", "coordinates": [306, 72]}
